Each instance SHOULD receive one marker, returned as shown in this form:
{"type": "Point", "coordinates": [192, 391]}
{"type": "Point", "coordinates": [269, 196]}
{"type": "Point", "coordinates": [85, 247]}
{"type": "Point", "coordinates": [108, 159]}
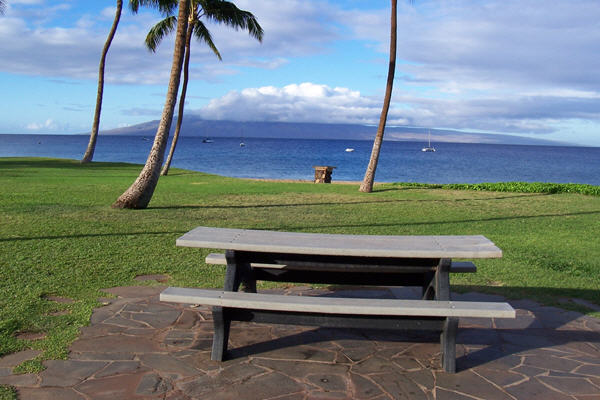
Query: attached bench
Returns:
{"type": "Point", "coordinates": [441, 316]}
{"type": "Point", "coordinates": [338, 259]}
{"type": "Point", "coordinates": [219, 259]}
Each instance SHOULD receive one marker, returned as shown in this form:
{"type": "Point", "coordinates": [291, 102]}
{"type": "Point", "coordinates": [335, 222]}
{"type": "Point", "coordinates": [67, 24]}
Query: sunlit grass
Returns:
{"type": "Point", "coordinates": [60, 237]}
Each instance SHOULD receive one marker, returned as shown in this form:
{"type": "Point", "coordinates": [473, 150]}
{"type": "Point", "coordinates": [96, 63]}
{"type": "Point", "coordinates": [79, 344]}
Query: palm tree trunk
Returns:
{"type": "Point", "coordinates": [89, 153]}
{"type": "Point", "coordinates": [367, 184]}
{"type": "Point", "coordinates": [140, 192]}
{"type": "Point", "coordinates": [186, 64]}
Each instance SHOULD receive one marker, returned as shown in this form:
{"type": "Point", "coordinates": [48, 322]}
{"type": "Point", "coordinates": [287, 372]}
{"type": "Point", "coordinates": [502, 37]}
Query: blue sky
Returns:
{"type": "Point", "coordinates": [522, 67]}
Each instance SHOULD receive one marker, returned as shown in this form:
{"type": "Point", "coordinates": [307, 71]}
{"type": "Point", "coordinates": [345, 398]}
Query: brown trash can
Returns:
{"type": "Point", "coordinates": [323, 174]}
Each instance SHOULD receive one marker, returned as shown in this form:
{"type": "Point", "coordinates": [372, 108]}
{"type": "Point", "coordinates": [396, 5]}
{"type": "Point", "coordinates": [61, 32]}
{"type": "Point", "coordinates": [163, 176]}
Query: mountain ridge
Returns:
{"type": "Point", "coordinates": [195, 126]}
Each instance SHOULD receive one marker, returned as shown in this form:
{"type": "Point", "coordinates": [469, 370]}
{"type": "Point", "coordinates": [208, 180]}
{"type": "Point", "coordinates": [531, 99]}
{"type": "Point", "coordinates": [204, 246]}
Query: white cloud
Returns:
{"type": "Point", "coordinates": [511, 65]}
{"type": "Point", "coordinates": [458, 47]}
{"type": "Point", "coordinates": [26, 1]}
{"type": "Point", "coordinates": [48, 125]}
{"type": "Point", "coordinates": [311, 102]}
{"type": "Point", "coordinates": [500, 65]}
{"type": "Point", "coordinates": [466, 45]}
{"type": "Point", "coordinates": [304, 102]}
{"type": "Point", "coordinates": [73, 52]}
{"type": "Point", "coordinates": [109, 12]}
{"type": "Point", "coordinates": [137, 111]}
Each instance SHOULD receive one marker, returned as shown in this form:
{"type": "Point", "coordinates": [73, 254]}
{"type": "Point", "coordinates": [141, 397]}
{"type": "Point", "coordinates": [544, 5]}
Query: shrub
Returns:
{"type": "Point", "coordinates": [518, 187]}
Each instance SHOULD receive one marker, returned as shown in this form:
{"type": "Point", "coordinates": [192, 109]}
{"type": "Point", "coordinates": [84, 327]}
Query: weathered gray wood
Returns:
{"type": "Point", "coordinates": [343, 245]}
{"type": "Point", "coordinates": [238, 273]}
{"type": "Point", "coordinates": [220, 335]}
{"type": "Point", "coordinates": [462, 267]}
{"type": "Point", "coordinates": [323, 258]}
{"type": "Point", "coordinates": [442, 280]}
{"type": "Point", "coordinates": [448, 343]}
{"type": "Point", "coordinates": [344, 321]}
{"type": "Point", "coordinates": [219, 259]}
{"type": "Point", "coordinates": [336, 305]}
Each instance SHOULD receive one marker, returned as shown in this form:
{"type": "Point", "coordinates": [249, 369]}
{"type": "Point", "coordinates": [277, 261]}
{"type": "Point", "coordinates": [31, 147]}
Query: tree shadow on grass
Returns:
{"type": "Point", "coordinates": [420, 223]}
{"type": "Point", "coordinates": [25, 163]}
{"type": "Point", "coordinates": [89, 235]}
{"type": "Point", "coordinates": [243, 206]}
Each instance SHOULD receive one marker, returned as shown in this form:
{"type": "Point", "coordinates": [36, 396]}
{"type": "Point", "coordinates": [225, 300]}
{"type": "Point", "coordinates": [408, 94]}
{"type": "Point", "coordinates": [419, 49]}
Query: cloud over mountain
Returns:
{"type": "Point", "coordinates": [530, 67]}
{"type": "Point", "coordinates": [304, 102]}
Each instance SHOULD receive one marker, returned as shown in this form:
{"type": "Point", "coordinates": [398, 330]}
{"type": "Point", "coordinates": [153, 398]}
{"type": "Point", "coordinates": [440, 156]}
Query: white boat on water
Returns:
{"type": "Point", "coordinates": [349, 150]}
{"type": "Point", "coordinates": [429, 148]}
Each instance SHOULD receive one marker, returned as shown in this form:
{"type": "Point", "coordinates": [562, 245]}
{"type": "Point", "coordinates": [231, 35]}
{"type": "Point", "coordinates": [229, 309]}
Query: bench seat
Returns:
{"type": "Point", "coordinates": [219, 259]}
{"type": "Point", "coordinates": [338, 305]}
{"type": "Point", "coordinates": [440, 316]}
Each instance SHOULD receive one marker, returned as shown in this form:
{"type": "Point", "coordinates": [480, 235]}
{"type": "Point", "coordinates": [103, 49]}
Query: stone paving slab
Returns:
{"type": "Point", "coordinates": [139, 348]}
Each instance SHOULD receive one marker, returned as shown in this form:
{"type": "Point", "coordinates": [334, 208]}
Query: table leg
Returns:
{"type": "Point", "coordinates": [448, 340]}
{"type": "Point", "coordinates": [436, 285]}
{"type": "Point", "coordinates": [238, 273]}
{"type": "Point", "coordinates": [221, 334]}
{"type": "Point", "coordinates": [442, 279]}
{"type": "Point", "coordinates": [448, 335]}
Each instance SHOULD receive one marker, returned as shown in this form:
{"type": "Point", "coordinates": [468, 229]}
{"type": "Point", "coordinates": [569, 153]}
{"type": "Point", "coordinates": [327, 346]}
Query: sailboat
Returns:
{"type": "Point", "coordinates": [429, 147]}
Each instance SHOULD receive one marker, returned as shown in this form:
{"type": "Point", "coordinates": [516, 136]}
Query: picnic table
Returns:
{"type": "Point", "coordinates": [424, 261]}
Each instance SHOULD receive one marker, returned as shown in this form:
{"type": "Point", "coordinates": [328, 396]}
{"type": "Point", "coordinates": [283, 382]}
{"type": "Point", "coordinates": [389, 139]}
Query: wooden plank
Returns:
{"type": "Point", "coordinates": [341, 245]}
{"type": "Point", "coordinates": [337, 305]}
{"type": "Point", "coordinates": [462, 267]}
{"type": "Point", "coordinates": [219, 259]}
{"type": "Point", "coordinates": [345, 321]}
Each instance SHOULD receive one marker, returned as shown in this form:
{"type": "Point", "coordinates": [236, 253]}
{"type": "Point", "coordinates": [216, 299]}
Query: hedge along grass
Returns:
{"type": "Point", "coordinates": [59, 236]}
{"type": "Point", "coordinates": [516, 187]}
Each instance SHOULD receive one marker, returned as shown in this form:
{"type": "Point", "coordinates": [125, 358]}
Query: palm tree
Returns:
{"type": "Point", "coordinates": [89, 152]}
{"type": "Point", "coordinates": [140, 192]}
{"type": "Point", "coordinates": [367, 183]}
{"type": "Point", "coordinates": [219, 11]}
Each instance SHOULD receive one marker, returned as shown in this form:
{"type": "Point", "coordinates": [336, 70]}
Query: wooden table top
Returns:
{"type": "Point", "coordinates": [475, 246]}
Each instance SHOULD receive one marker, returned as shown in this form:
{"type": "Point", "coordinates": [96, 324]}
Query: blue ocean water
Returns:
{"type": "Point", "coordinates": [294, 158]}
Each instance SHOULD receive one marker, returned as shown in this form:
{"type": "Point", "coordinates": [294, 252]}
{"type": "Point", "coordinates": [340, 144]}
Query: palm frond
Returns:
{"type": "Point", "coordinates": [159, 31]}
{"type": "Point", "coordinates": [166, 7]}
{"type": "Point", "coordinates": [225, 12]}
{"type": "Point", "coordinates": [202, 33]}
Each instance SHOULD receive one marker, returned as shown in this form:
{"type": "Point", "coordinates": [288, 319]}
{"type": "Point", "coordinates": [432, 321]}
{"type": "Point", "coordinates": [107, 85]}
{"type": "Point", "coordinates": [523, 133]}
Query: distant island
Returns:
{"type": "Point", "coordinates": [195, 126]}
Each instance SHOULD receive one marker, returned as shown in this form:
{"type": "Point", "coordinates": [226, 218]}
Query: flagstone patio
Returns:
{"type": "Point", "coordinates": [139, 348]}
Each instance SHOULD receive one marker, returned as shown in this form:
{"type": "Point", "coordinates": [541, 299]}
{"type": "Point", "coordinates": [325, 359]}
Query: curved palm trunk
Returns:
{"type": "Point", "coordinates": [186, 65]}
{"type": "Point", "coordinates": [367, 184]}
{"type": "Point", "coordinates": [89, 152]}
{"type": "Point", "coordinates": [140, 192]}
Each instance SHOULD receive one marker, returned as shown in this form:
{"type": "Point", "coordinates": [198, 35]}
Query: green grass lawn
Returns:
{"type": "Point", "coordinates": [59, 236]}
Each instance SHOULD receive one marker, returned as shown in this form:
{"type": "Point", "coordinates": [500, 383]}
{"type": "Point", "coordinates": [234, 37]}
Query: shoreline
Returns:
{"type": "Point", "coordinates": [302, 181]}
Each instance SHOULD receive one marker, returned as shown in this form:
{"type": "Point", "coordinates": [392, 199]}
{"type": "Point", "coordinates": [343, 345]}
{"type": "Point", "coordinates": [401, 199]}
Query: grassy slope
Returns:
{"type": "Point", "coordinates": [58, 235]}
